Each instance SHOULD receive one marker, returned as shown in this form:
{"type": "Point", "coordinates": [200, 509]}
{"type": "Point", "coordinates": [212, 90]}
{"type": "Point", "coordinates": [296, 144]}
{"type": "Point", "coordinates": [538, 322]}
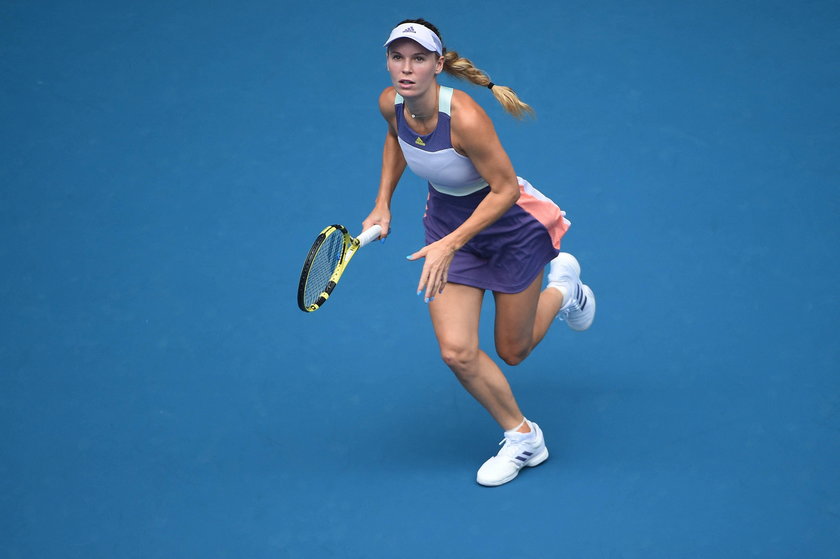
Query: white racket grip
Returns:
{"type": "Point", "coordinates": [369, 235]}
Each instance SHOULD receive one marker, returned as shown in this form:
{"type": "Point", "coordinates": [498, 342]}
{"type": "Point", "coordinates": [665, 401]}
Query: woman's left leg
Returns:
{"type": "Point", "coordinates": [522, 319]}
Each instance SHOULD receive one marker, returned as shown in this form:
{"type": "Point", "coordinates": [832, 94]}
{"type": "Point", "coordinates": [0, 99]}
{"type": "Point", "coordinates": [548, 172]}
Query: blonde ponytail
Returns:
{"type": "Point", "coordinates": [462, 68]}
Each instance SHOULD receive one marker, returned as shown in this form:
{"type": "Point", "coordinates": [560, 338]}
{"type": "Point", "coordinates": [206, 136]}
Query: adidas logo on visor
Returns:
{"type": "Point", "coordinates": [409, 30]}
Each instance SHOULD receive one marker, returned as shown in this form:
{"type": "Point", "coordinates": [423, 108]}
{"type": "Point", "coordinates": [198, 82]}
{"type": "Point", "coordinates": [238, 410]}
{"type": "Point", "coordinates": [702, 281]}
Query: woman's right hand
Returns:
{"type": "Point", "coordinates": [379, 216]}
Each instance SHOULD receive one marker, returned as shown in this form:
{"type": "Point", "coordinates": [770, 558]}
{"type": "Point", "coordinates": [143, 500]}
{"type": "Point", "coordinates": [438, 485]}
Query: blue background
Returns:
{"type": "Point", "coordinates": [165, 166]}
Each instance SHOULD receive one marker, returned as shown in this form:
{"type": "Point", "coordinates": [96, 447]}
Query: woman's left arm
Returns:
{"type": "Point", "coordinates": [473, 135]}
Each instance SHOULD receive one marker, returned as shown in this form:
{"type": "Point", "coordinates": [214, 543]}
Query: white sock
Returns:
{"type": "Point", "coordinates": [515, 434]}
{"type": "Point", "coordinates": [565, 291]}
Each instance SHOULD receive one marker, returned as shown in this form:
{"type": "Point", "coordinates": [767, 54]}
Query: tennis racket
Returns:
{"type": "Point", "coordinates": [326, 261]}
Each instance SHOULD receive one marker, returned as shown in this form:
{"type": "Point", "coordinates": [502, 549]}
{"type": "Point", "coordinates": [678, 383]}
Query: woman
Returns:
{"type": "Point", "coordinates": [486, 229]}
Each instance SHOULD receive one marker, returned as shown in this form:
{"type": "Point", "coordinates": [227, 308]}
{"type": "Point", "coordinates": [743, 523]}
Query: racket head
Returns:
{"type": "Point", "coordinates": [324, 258]}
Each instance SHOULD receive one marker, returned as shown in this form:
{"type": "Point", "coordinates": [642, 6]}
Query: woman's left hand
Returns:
{"type": "Point", "coordinates": [438, 256]}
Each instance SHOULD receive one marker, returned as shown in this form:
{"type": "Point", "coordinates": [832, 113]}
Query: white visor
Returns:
{"type": "Point", "coordinates": [427, 38]}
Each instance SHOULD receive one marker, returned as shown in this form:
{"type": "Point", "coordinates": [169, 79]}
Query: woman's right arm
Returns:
{"type": "Point", "coordinates": [393, 165]}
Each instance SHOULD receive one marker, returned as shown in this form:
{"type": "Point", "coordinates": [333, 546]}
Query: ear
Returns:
{"type": "Point", "coordinates": [439, 65]}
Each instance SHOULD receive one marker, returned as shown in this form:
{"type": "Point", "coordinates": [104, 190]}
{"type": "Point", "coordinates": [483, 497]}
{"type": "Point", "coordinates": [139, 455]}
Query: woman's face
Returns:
{"type": "Point", "coordinates": [412, 67]}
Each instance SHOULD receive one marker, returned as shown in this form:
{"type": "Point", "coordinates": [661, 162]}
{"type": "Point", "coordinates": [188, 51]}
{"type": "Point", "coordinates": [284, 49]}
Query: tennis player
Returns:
{"type": "Point", "coordinates": [486, 230]}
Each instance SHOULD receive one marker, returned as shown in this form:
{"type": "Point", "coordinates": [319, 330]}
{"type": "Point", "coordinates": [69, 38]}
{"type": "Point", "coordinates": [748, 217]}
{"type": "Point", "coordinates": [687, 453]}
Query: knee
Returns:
{"type": "Point", "coordinates": [513, 355]}
{"type": "Point", "coordinates": [460, 359]}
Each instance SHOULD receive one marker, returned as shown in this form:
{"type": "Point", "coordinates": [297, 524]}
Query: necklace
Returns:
{"type": "Point", "coordinates": [423, 117]}
{"type": "Point", "coordinates": [417, 116]}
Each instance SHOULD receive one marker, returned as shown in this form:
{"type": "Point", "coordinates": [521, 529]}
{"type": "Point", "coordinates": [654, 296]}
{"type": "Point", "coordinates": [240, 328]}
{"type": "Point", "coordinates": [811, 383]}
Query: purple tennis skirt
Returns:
{"type": "Point", "coordinates": [509, 254]}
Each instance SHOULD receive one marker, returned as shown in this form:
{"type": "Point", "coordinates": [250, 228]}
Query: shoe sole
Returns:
{"type": "Point", "coordinates": [569, 260]}
{"type": "Point", "coordinates": [533, 462]}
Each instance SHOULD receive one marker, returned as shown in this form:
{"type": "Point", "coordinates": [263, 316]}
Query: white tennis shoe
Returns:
{"type": "Point", "coordinates": [578, 310]}
{"type": "Point", "coordinates": [519, 450]}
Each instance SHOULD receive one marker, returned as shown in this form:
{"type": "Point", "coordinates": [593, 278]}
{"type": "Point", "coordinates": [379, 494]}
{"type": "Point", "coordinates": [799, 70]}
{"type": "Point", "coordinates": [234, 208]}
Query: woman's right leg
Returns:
{"type": "Point", "coordinates": [455, 317]}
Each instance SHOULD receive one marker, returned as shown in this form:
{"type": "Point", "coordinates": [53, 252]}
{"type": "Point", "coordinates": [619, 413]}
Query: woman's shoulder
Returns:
{"type": "Point", "coordinates": [465, 111]}
{"type": "Point", "coordinates": [386, 99]}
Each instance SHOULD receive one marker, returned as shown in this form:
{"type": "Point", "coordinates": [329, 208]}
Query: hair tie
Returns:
{"type": "Point", "coordinates": [490, 85]}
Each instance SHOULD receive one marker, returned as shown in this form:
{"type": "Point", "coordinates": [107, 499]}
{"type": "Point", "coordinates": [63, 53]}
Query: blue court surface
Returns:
{"type": "Point", "coordinates": [166, 165]}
